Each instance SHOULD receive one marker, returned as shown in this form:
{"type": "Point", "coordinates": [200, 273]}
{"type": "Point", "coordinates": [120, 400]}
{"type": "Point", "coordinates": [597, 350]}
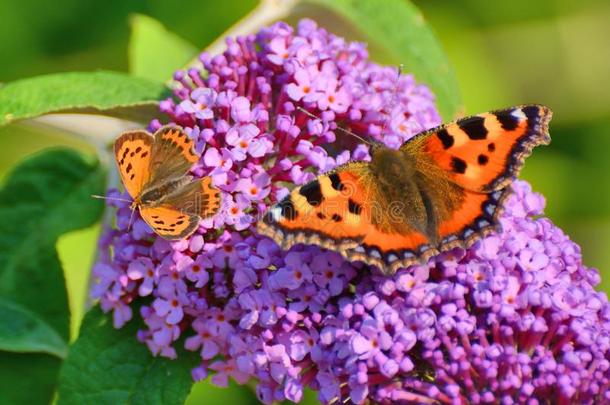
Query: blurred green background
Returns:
{"type": "Point", "coordinates": [547, 51]}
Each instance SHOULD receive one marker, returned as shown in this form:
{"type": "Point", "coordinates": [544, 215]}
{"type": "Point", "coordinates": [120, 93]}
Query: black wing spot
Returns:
{"type": "Point", "coordinates": [458, 165]}
{"type": "Point", "coordinates": [132, 154]}
{"type": "Point", "coordinates": [133, 175]}
{"type": "Point", "coordinates": [144, 154]}
{"type": "Point", "coordinates": [312, 192]}
{"type": "Point", "coordinates": [138, 149]}
{"type": "Point", "coordinates": [321, 216]}
{"type": "Point", "coordinates": [354, 207]}
{"type": "Point", "coordinates": [508, 121]}
{"type": "Point", "coordinates": [335, 181]}
{"type": "Point", "coordinates": [159, 222]}
{"type": "Point", "coordinates": [122, 161]}
{"type": "Point", "coordinates": [179, 222]}
{"type": "Point", "coordinates": [483, 159]}
{"type": "Point", "coordinates": [154, 216]}
{"type": "Point", "coordinates": [128, 168]}
{"type": "Point", "coordinates": [287, 209]}
{"type": "Point", "coordinates": [445, 138]}
{"type": "Point", "coordinates": [491, 147]}
{"type": "Point", "coordinates": [125, 152]}
{"type": "Point", "coordinates": [474, 127]}
{"type": "Point", "coordinates": [337, 218]}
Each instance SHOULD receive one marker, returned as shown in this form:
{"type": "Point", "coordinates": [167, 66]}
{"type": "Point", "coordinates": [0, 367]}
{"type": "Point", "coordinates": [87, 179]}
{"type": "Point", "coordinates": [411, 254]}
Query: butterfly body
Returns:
{"type": "Point", "coordinates": [154, 172]}
{"type": "Point", "coordinates": [443, 188]}
{"type": "Point", "coordinates": [155, 194]}
{"type": "Point", "coordinates": [413, 200]}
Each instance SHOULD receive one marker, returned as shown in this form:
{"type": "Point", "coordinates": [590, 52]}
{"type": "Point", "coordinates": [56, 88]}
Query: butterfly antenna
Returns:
{"type": "Point", "coordinates": [101, 197]}
{"type": "Point", "coordinates": [345, 131]}
{"type": "Point", "coordinates": [393, 98]}
{"type": "Point", "coordinates": [133, 209]}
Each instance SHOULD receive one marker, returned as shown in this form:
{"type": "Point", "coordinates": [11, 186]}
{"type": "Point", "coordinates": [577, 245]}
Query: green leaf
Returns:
{"type": "Point", "coordinates": [154, 52]}
{"type": "Point", "coordinates": [396, 32]}
{"type": "Point", "coordinates": [23, 331]}
{"type": "Point", "coordinates": [111, 92]}
{"type": "Point", "coordinates": [109, 366]}
{"type": "Point", "coordinates": [28, 378]}
{"type": "Point", "coordinates": [44, 197]}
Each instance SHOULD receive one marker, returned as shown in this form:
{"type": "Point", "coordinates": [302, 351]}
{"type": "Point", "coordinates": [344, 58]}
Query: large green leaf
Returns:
{"type": "Point", "coordinates": [44, 197]}
{"type": "Point", "coordinates": [114, 93]}
{"type": "Point", "coordinates": [109, 366]}
{"type": "Point", "coordinates": [154, 52]}
{"type": "Point", "coordinates": [396, 33]}
{"type": "Point", "coordinates": [23, 331]}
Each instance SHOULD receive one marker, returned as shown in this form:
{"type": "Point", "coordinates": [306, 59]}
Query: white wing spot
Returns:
{"type": "Point", "coordinates": [276, 213]}
{"type": "Point", "coordinates": [517, 113]}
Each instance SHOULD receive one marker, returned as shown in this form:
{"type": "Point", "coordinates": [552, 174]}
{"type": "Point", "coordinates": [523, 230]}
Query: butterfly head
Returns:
{"type": "Point", "coordinates": [136, 203]}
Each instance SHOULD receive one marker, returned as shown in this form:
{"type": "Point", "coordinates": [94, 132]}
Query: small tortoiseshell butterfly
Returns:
{"type": "Point", "coordinates": [154, 172]}
{"type": "Point", "coordinates": [443, 188]}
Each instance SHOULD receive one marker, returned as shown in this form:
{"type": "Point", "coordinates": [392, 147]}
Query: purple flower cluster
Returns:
{"type": "Point", "coordinates": [515, 318]}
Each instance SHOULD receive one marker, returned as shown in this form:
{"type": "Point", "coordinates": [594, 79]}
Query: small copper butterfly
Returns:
{"type": "Point", "coordinates": [154, 172]}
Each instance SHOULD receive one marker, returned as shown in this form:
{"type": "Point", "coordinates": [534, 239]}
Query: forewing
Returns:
{"type": "Point", "coordinates": [329, 211]}
{"type": "Point", "coordinates": [173, 154]}
{"type": "Point", "coordinates": [484, 152]}
{"type": "Point", "coordinates": [132, 151]}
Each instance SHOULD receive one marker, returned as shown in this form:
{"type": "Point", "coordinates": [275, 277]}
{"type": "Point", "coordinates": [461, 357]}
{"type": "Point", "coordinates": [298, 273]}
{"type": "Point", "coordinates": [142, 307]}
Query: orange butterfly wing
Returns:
{"type": "Point", "coordinates": [169, 222]}
{"type": "Point", "coordinates": [133, 151]}
{"type": "Point", "coordinates": [477, 216]}
{"type": "Point", "coordinates": [198, 197]}
{"type": "Point", "coordinates": [173, 154]}
{"type": "Point", "coordinates": [327, 211]}
{"type": "Point", "coordinates": [210, 198]}
{"type": "Point", "coordinates": [172, 137]}
{"type": "Point", "coordinates": [390, 251]}
{"type": "Point", "coordinates": [485, 152]}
